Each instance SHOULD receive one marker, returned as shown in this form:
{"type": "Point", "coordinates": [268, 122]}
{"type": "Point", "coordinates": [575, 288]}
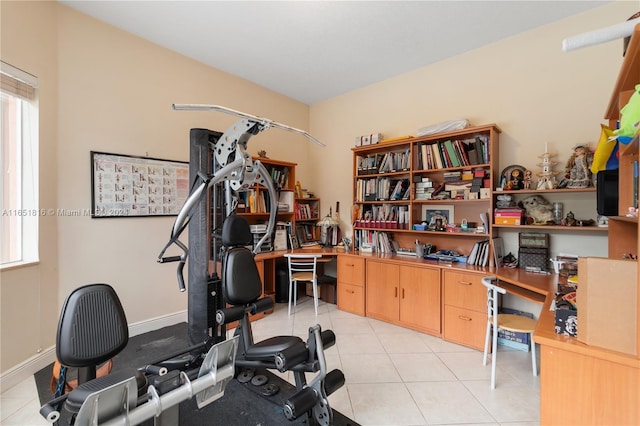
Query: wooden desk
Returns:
{"type": "Point", "coordinates": [579, 384]}
{"type": "Point", "coordinates": [267, 263]}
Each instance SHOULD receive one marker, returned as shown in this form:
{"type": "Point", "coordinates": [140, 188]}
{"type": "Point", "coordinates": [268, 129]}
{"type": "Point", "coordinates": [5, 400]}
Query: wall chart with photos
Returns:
{"type": "Point", "coordinates": [126, 186]}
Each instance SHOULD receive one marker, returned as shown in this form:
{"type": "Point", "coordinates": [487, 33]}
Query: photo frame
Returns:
{"type": "Point", "coordinates": [131, 186]}
{"type": "Point", "coordinates": [293, 242]}
{"type": "Point", "coordinates": [437, 216]}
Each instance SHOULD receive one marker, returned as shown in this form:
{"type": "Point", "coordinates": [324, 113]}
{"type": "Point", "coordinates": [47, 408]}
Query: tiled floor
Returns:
{"type": "Point", "coordinates": [394, 376]}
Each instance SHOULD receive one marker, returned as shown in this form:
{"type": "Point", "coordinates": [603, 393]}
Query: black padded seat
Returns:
{"type": "Point", "coordinates": [76, 397]}
{"type": "Point", "coordinates": [265, 350]}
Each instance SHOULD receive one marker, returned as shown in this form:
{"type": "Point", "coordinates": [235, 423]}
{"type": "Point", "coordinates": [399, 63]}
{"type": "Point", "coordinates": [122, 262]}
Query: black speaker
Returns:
{"type": "Point", "coordinates": [607, 190]}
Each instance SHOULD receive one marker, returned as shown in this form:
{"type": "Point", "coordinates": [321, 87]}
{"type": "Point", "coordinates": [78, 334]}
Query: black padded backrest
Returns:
{"type": "Point", "coordinates": [236, 232]}
{"type": "Point", "coordinates": [241, 282]}
{"type": "Point", "coordinates": [92, 328]}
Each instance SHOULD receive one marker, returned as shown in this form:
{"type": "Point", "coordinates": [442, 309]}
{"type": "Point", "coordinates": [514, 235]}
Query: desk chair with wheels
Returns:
{"type": "Point", "coordinates": [496, 321]}
{"type": "Point", "coordinates": [302, 267]}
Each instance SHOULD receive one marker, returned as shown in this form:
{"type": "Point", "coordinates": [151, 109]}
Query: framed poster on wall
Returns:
{"type": "Point", "coordinates": [130, 186]}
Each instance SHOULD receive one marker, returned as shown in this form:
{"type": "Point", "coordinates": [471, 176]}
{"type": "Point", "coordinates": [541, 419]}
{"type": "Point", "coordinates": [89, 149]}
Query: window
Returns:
{"type": "Point", "coordinates": [19, 210]}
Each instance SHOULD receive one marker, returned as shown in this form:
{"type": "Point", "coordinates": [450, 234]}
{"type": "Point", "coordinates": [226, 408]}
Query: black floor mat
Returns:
{"type": "Point", "coordinates": [241, 404]}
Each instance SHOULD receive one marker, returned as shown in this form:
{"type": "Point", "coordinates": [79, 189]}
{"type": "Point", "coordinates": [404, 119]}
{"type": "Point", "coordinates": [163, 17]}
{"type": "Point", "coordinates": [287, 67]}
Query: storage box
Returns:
{"type": "Point", "coordinates": [508, 216]}
{"type": "Point", "coordinates": [508, 220]}
{"type": "Point", "coordinates": [512, 339]}
{"type": "Point", "coordinates": [533, 257]}
{"type": "Point", "coordinates": [607, 299]}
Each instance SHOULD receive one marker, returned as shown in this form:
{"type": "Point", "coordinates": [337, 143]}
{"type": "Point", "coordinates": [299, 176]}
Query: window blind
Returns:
{"type": "Point", "coordinates": [17, 82]}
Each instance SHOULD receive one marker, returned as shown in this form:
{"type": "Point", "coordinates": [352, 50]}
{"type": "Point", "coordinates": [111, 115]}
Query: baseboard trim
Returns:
{"type": "Point", "coordinates": [29, 367]}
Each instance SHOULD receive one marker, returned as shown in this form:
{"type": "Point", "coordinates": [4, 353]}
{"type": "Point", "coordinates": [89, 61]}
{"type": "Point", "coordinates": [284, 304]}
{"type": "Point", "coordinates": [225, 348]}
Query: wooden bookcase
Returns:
{"type": "Point", "coordinates": [283, 174]}
{"type": "Point", "coordinates": [608, 389]}
{"type": "Point", "coordinates": [407, 209]}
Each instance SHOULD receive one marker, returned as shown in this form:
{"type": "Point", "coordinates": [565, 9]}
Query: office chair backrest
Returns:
{"type": "Point", "coordinates": [92, 329]}
{"type": "Point", "coordinates": [241, 281]}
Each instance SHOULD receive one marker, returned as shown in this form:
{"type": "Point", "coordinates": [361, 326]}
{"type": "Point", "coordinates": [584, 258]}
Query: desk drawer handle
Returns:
{"type": "Point", "coordinates": [463, 318]}
{"type": "Point", "coordinates": [464, 282]}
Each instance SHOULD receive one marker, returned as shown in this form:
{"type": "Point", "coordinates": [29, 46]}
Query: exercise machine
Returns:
{"type": "Point", "coordinates": [204, 368]}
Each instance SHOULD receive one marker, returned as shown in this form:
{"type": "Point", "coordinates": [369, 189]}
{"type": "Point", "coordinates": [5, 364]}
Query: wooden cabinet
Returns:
{"type": "Point", "coordinates": [607, 390]}
{"type": "Point", "coordinates": [404, 295]}
{"type": "Point", "coordinates": [465, 308]}
{"type": "Point", "coordinates": [389, 181]}
{"type": "Point", "coordinates": [351, 283]}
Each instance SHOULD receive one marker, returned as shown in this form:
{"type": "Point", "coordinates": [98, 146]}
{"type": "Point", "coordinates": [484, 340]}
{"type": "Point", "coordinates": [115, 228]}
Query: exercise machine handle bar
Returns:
{"type": "Point", "coordinates": [241, 173]}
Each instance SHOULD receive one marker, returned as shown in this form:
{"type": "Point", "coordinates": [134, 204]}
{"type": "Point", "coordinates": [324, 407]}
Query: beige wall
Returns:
{"type": "Point", "coordinates": [525, 84]}
{"type": "Point", "coordinates": [29, 296]}
{"type": "Point", "coordinates": [103, 89]}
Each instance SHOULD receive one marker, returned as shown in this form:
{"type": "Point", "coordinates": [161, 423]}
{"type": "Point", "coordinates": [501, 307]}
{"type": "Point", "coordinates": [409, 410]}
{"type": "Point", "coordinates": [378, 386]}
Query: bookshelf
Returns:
{"type": "Point", "coordinates": [395, 187]}
{"type": "Point", "coordinates": [254, 203]}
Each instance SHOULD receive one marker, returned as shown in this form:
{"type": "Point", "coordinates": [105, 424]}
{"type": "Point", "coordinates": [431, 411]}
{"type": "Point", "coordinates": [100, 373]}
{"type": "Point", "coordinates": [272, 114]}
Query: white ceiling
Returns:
{"type": "Point", "coordinates": [315, 50]}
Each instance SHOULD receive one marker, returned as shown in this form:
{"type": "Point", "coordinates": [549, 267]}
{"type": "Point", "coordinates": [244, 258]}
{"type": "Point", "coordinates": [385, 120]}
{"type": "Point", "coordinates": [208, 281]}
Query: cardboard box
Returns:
{"type": "Point", "coordinates": [607, 299]}
{"type": "Point", "coordinates": [508, 220]}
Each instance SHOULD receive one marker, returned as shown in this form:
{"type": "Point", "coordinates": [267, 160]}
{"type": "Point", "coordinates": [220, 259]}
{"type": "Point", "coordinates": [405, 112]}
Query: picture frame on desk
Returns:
{"type": "Point", "coordinates": [293, 242]}
{"type": "Point", "coordinates": [432, 213]}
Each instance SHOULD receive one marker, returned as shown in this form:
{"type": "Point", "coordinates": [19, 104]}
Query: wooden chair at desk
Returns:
{"type": "Point", "coordinates": [302, 267]}
{"type": "Point", "coordinates": [509, 322]}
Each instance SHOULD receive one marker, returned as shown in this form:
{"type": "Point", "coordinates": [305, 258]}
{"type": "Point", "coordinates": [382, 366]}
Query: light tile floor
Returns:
{"type": "Point", "coordinates": [394, 376]}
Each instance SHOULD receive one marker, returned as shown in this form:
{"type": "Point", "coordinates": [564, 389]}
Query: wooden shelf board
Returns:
{"type": "Point", "coordinates": [627, 76]}
{"type": "Point", "coordinates": [545, 191]}
{"type": "Point", "coordinates": [556, 228]}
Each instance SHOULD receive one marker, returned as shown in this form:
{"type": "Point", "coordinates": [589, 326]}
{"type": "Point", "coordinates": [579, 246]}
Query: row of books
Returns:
{"type": "Point", "coordinates": [307, 233]}
{"type": "Point", "coordinates": [378, 189]}
{"type": "Point", "coordinates": [385, 212]}
{"type": "Point", "coordinates": [280, 176]}
{"type": "Point", "coordinates": [306, 211]}
{"type": "Point", "coordinates": [456, 153]}
{"type": "Point", "coordinates": [379, 241]}
{"type": "Point", "coordinates": [384, 163]}
{"type": "Point", "coordinates": [479, 255]}
{"type": "Point", "coordinates": [254, 201]}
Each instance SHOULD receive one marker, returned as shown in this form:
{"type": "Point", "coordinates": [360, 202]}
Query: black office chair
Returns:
{"type": "Point", "coordinates": [242, 288]}
{"type": "Point", "coordinates": [92, 330]}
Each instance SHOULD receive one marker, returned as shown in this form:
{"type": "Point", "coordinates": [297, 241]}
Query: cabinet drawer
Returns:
{"type": "Point", "coordinates": [465, 326]}
{"type": "Point", "coordinates": [465, 291]}
{"type": "Point", "coordinates": [351, 298]}
{"type": "Point", "coordinates": [351, 270]}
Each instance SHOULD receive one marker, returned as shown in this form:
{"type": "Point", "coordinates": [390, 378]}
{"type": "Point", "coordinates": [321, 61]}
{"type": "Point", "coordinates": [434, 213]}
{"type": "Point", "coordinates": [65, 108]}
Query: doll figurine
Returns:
{"type": "Point", "coordinates": [577, 170]}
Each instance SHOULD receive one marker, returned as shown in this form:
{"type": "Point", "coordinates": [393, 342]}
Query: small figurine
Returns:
{"type": "Point", "coordinates": [546, 178]}
{"type": "Point", "coordinates": [570, 220]}
{"type": "Point", "coordinates": [262, 154]}
{"type": "Point", "coordinates": [578, 168]}
{"type": "Point", "coordinates": [528, 177]}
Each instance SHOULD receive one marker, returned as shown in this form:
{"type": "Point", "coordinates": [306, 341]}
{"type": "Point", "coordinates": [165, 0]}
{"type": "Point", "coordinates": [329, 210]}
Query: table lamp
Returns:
{"type": "Point", "coordinates": [327, 225]}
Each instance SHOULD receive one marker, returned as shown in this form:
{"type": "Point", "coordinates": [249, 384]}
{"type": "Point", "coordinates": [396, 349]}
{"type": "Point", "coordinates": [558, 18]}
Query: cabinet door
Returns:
{"type": "Point", "coordinates": [351, 270]}
{"type": "Point", "coordinates": [420, 298]}
{"type": "Point", "coordinates": [351, 298]}
{"type": "Point", "coordinates": [382, 291]}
